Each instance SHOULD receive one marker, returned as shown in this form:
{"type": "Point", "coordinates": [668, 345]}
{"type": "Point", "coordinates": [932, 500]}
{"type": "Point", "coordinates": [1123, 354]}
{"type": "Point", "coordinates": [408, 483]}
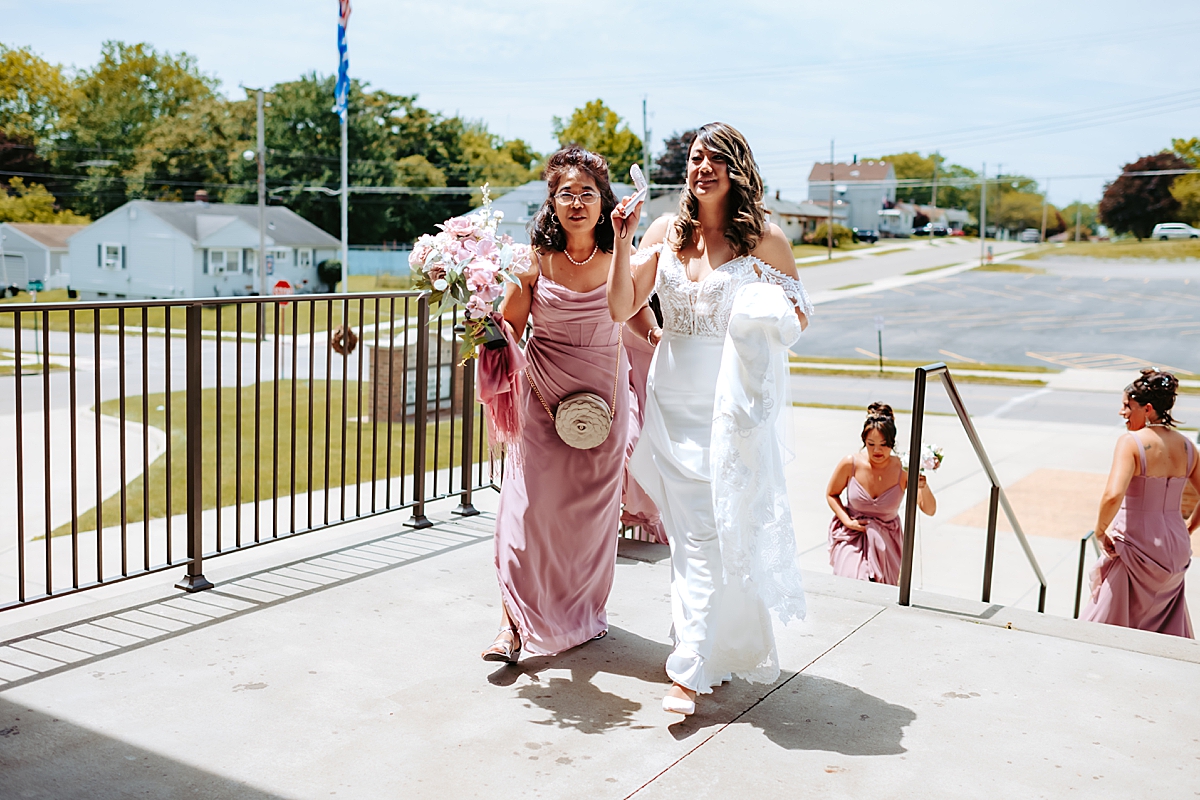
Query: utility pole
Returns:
{"type": "Point", "coordinates": [829, 223]}
{"type": "Point", "coordinates": [1045, 192]}
{"type": "Point", "coordinates": [983, 216]}
{"type": "Point", "coordinates": [645, 141]}
{"type": "Point", "coordinates": [1078, 212]}
{"type": "Point", "coordinates": [935, 172]}
{"type": "Point", "coordinates": [261, 153]}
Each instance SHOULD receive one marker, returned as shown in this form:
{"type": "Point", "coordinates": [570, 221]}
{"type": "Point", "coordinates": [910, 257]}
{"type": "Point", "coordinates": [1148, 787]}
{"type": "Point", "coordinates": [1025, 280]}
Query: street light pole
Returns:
{"type": "Point", "coordinates": [829, 221]}
{"type": "Point", "coordinates": [983, 215]}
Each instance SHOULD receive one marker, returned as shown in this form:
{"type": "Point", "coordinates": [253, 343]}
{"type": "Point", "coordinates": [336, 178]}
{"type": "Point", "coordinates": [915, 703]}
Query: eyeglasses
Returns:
{"type": "Point", "coordinates": [568, 199]}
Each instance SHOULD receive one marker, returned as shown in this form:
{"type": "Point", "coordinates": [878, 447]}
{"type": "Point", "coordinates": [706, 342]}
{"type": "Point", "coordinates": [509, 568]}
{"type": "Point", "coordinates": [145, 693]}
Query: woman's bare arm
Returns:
{"type": "Point", "coordinates": [629, 287]}
{"type": "Point", "coordinates": [519, 299]}
{"type": "Point", "coordinates": [1124, 460]}
{"type": "Point", "coordinates": [644, 325]}
{"type": "Point", "coordinates": [1194, 479]}
{"type": "Point", "coordinates": [925, 499]}
{"type": "Point", "coordinates": [833, 494]}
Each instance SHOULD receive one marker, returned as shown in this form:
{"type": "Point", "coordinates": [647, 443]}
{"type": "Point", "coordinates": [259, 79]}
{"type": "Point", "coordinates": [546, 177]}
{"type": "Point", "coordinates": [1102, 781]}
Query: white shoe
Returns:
{"type": "Point", "coordinates": [679, 705]}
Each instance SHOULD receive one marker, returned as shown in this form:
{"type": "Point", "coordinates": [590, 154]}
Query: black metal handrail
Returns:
{"type": "Point", "coordinates": [248, 424]}
{"type": "Point", "coordinates": [996, 500]}
{"type": "Point", "coordinates": [1082, 556]}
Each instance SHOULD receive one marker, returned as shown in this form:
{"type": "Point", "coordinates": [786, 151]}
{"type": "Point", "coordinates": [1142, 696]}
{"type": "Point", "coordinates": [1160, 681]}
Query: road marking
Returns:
{"type": "Point", "coordinates": [957, 357]}
{"type": "Point", "coordinates": [1016, 401]}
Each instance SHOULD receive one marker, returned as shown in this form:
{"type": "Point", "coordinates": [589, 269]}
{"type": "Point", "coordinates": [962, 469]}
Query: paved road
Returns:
{"type": "Point", "coordinates": [1009, 402]}
{"type": "Point", "coordinates": [1070, 316]}
{"type": "Point", "coordinates": [864, 267]}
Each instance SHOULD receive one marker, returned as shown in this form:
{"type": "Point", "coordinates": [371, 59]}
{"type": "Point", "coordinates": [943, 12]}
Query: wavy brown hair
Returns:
{"type": "Point", "coordinates": [545, 232]}
{"type": "Point", "coordinates": [747, 218]}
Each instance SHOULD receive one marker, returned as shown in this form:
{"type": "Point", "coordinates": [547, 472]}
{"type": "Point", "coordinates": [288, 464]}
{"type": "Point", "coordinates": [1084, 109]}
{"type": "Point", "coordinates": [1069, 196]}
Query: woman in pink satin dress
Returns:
{"type": "Point", "coordinates": [865, 537]}
{"type": "Point", "coordinates": [1138, 582]}
{"type": "Point", "coordinates": [557, 522]}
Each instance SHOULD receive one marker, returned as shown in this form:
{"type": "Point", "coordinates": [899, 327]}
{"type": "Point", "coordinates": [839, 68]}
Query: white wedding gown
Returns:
{"type": "Point", "coordinates": [710, 456]}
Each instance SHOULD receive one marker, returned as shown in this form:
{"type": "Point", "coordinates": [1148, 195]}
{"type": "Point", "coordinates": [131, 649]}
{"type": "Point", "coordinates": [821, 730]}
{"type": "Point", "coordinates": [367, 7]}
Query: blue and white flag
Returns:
{"type": "Point", "coordinates": [341, 92]}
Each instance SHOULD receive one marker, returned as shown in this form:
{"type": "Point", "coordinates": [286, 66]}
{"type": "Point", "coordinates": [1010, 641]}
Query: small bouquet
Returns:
{"type": "Point", "coordinates": [467, 264]}
{"type": "Point", "coordinates": [931, 458]}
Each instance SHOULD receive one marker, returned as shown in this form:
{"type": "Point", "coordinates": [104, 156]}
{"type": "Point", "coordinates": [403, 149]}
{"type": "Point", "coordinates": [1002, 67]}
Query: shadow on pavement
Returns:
{"type": "Point", "coordinates": [807, 712]}
{"type": "Point", "coordinates": [46, 757]}
{"type": "Point", "coordinates": [578, 703]}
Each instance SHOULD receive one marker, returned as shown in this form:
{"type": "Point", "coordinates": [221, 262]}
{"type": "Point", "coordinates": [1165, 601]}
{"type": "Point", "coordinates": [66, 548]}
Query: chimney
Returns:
{"type": "Point", "coordinates": [201, 196]}
{"type": "Point", "coordinates": [855, 158]}
{"type": "Point", "coordinates": [776, 194]}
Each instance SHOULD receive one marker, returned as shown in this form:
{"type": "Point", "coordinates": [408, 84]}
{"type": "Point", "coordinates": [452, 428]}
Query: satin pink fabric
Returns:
{"type": "Point", "coordinates": [556, 526]}
{"type": "Point", "coordinates": [636, 506]}
{"type": "Point", "coordinates": [874, 555]}
{"type": "Point", "coordinates": [1142, 586]}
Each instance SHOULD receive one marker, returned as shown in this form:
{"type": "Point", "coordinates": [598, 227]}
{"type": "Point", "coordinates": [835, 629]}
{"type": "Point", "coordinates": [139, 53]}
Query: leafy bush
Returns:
{"type": "Point", "coordinates": [329, 272]}
{"type": "Point", "coordinates": [842, 235]}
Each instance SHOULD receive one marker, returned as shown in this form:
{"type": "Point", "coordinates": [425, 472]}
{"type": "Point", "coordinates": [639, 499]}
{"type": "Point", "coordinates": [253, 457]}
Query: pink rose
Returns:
{"type": "Point", "coordinates": [458, 226]}
{"type": "Point", "coordinates": [480, 274]}
{"type": "Point", "coordinates": [477, 308]}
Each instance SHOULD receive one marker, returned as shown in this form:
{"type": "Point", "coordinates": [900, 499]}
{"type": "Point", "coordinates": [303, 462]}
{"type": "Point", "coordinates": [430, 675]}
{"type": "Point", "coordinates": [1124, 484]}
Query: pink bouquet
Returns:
{"type": "Point", "coordinates": [467, 264]}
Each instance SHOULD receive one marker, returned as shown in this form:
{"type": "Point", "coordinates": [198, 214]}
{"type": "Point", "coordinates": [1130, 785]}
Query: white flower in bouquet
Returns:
{"type": "Point", "coordinates": [467, 264]}
{"type": "Point", "coordinates": [931, 458]}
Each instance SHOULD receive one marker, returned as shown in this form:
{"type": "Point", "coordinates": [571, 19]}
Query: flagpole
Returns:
{"type": "Point", "coordinates": [345, 213]}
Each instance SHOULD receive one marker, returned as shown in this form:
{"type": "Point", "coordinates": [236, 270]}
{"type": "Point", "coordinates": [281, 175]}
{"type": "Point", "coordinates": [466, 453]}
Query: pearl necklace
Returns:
{"type": "Point", "coordinates": [595, 249]}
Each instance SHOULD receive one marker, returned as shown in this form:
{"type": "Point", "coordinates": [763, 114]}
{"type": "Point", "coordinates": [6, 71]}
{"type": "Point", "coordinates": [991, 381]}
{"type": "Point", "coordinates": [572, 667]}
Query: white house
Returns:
{"type": "Point", "coordinates": [147, 249]}
{"type": "Point", "coordinates": [521, 204]}
{"type": "Point", "coordinates": [798, 219]}
{"type": "Point", "coordinates": [34, 251]}
{"type": "Point", "coordinates": [865, 187]}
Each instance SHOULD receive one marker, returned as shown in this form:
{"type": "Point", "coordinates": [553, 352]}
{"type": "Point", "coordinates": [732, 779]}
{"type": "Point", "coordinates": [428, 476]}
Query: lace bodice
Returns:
{"type": "Point", "coordinates": [702, 308]}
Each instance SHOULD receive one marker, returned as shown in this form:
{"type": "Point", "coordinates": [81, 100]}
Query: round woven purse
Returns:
{"type": "Point", "coordinates": [582, 419]}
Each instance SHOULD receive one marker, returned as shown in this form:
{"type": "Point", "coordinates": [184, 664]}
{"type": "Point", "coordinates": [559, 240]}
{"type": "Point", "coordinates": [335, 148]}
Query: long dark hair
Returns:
{"type": "Point", "coordinates": [747, 218]}
{"type": "Point", "coordinates": [880, 418]}
{"type": "Point", "coordinates": [1156, 389]}
{"type": "Point", "coordinates": [545, 232]}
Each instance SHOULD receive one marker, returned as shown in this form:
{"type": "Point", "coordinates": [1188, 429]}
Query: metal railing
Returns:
{"type": "Point", "coordinates": [996, 500]}
{"type": "Point", "coordinates": [213, 425]}
{"type": "Point", "coordinates": [1090, 535]}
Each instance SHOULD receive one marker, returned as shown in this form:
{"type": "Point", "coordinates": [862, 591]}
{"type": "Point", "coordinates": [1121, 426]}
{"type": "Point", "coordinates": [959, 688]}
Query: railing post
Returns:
{"type": "Point", "coordinates": [421, 423]}
{"type": "Point", "coordinates": [194, 580]}
{"type": "Point", "coordinates": [914, 468]}
{"type": "Point", "coordinates": [465, 508]}
{"type": "Point", "coordinates": [990, 554]}
{"type": "Point", "coordinates": [1079, 578]}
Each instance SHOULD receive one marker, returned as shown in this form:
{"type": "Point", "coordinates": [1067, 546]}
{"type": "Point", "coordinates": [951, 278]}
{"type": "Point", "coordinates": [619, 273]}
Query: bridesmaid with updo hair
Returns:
{"type": "Point", "coordinates": [1138, 581]}
{"type": "Point", "coordinates": [865, 537]}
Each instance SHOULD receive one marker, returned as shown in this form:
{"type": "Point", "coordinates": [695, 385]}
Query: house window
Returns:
{"type": "Point", "coordinates": [220, 261]}
{"type": "Point", "coordinates": [112, 256]}
{"type": "Point", "coordinates": [304, 257]}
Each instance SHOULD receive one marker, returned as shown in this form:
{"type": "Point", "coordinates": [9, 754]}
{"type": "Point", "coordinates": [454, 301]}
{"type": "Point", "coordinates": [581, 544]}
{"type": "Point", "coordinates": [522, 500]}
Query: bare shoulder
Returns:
{"type": "Point", "coordinates": [775, 249]}
{"type": "Point", "coordinates": [657, 232]}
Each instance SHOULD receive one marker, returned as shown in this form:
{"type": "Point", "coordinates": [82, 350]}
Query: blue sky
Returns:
{"type": "Point", "coordinates": [877, 77]}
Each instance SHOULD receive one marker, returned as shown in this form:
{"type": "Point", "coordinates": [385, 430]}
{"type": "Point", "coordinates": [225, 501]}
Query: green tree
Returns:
{"type": "Point", "coordinates": [601, 130]}
{"type": "Point", "coordinates": [1087, 218]}
{"type": "Point", "coordinates": [36, 97]}
{"type": "Point", "coordinates": [956, 187]}
{"type": "Point", "coordinates": [1186, 188]}
{"type": "Point", "coordinates": [1019, 210]}
{"type": "Point", "coordinates": [671, 166]}
{"type": "Point", "coordinates": [32, 203]}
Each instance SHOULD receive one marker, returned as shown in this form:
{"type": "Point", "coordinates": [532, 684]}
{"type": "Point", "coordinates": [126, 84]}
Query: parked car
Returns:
{"type": "Point", "coordinates": [1174, 230]}
{"type": "Point", "coordinates": [924, 230]}
{"type": "Point", "coordinates": [866, 235]}
{"type": "Point", "coordinates": [1029, 235]}
{"type": "Point", "coordinates": [957, 232]}
{"type": "Point", "coordinates": [938, 229]}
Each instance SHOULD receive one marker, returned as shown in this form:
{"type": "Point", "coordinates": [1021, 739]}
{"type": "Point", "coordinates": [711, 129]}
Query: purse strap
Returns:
{"type": "Point", "coordinates": [612, 407]}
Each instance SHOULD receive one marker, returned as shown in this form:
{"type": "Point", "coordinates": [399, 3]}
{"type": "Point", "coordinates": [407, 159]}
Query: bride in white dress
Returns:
{"type": "Point", "coordinates": [710, 453]}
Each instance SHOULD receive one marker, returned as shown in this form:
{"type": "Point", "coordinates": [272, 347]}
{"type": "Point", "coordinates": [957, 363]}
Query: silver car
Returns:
{"type": "Point", "coordinates": [1174, 230]}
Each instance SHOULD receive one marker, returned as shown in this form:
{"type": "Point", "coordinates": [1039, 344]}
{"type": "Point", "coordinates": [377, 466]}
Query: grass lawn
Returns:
{"type": "Point", "coordinates": [1010, 266]}
{"type": "Point", "coordinates": [1174, 250]}
{"type": "Point", "coordinates": [306, 462]}
{"type": "Point", "coordinates": [317, 313]}
{"type": "Point", "coordinates": [904, 376]}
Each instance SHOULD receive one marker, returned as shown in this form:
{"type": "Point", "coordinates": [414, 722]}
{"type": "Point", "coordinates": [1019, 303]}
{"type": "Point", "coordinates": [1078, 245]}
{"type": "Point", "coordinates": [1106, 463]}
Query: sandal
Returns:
{"type": "Point", "coordinates": [504, 648]}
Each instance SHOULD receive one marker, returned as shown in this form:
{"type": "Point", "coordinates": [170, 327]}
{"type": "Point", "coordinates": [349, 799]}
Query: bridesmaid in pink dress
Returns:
{"type": "Point", "coordinates": [865, 537]}
{"type": "Point", "coordinates": [1138, 582]}
{"type": "Point", "coordinates": [557, 523]}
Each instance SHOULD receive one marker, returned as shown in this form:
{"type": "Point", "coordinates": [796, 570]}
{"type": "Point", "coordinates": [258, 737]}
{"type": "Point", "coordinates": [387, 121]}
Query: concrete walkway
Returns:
{"type": "Point", "coordinates": [345, 664]}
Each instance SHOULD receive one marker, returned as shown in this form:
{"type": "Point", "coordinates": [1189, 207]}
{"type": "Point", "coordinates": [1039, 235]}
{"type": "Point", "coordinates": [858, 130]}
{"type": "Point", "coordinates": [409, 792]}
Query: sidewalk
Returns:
{"type": "Point", "coordinates": [353, 672]}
